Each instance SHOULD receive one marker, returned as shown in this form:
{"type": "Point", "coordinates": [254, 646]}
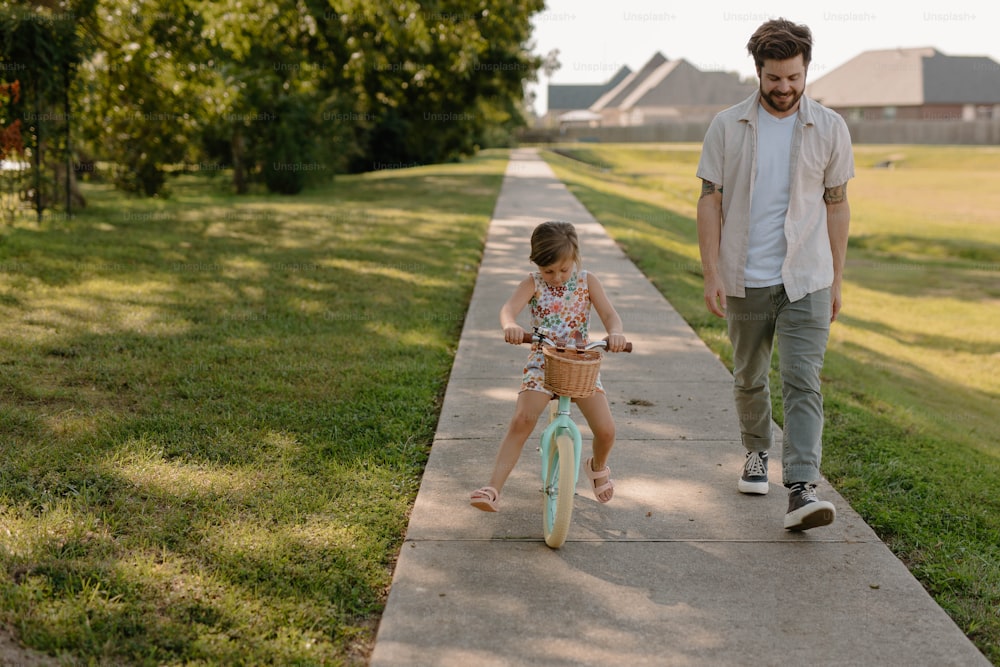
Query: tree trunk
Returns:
{"type": "Point", "coordinates": [239, 172]}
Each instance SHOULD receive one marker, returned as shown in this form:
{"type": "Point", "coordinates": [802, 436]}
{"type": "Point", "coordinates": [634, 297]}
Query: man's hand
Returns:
{"type": "Point", "coordinates": [836, 301]}
{"type": "Point", "coordinates": [715, 296]}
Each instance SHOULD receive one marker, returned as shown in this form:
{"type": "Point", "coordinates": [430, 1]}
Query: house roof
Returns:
{"type": "Point", "coordinates": [909, 77]}
{"type": "Point", "coordinates": [683, 84]}
{"type": "Point", "coordinates": [966, 79]}
{"type": "Point", "coordinates": [581, 96]}
{"type": "Point", "coordinates": [613, 98]}
{"type": "Point", "coordinates": [671, 83]}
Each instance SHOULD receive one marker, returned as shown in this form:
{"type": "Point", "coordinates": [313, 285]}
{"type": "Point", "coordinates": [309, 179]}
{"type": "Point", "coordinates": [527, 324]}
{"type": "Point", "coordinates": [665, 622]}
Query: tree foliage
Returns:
{"type": "Point", "coordinates": [432, 80]}
{"type": "Point", "coordinates": [282, 91]}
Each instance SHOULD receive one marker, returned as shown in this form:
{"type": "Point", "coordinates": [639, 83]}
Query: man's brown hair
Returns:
{"type": "Point", "coordinates": [780, 39]}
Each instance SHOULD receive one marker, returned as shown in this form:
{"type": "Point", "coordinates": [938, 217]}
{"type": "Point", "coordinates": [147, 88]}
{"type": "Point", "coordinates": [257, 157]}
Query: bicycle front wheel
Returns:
{"type": "Point", "coordinates": [559, 490]}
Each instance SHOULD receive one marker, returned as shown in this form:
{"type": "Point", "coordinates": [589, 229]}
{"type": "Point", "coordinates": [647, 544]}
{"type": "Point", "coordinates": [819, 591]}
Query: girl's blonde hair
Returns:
{"type": "Point", "coordinates": [552, 242]}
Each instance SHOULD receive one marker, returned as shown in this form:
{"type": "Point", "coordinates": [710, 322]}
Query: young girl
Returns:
{"type": "Point", "coordinates": [560, 295]}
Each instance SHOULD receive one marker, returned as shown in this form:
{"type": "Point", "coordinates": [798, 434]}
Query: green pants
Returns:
{"type": "Point", "coordinates": [802, 329]}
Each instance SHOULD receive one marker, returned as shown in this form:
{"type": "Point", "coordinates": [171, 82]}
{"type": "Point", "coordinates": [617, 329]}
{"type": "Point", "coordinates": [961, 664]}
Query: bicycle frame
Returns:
{"type": "Point", "coordinates": [561, 423]}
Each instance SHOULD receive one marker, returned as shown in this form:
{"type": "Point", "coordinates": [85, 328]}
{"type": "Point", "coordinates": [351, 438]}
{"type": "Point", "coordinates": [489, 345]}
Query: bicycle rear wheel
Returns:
{"type": "Point", "coordinates": [559, 490]}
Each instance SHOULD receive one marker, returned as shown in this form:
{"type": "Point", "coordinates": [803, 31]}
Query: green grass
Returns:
{"type": "Point", "coordinates": [215, 411]}
{"type": "Point", "coordinates": [912, 377]}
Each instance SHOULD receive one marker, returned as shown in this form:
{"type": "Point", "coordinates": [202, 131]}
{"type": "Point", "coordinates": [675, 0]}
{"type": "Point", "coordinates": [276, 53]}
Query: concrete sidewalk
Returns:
{"type": "Point", "coordinates": [679, 568]}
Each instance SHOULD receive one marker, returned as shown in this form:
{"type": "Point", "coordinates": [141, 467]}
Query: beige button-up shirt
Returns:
{"type": "Point", "coordinates": [821, 158]}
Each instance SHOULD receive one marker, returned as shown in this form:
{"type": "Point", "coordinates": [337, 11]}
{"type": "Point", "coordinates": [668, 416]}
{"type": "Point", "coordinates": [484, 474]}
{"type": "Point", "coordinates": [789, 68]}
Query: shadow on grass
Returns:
{"type": "Point", "coordinates": [218, 409]}
{"type": "Point", "coordinates": [922, 340]}
{"type": "Point", "coordinates": [915, 249]}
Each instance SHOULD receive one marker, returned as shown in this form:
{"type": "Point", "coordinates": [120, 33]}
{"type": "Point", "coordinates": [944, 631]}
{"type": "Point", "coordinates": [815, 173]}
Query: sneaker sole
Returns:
{"type": "Point", "coordinates": [814, 515]}
{"type": "Point", "coordinates": [758, 488]}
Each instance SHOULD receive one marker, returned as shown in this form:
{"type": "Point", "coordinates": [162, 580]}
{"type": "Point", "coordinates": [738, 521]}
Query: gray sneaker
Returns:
{"type": "Point", "coordinates": [805, 510]}
{"type": "Point", "coordinates": [754, 477]}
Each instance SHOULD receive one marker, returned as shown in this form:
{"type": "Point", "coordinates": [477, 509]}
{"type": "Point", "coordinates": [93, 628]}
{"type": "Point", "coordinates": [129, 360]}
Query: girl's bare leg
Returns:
{"type": "Point", "coordinates": [529, 406]}
{"type": "Point", "coordinates": [597, 412]}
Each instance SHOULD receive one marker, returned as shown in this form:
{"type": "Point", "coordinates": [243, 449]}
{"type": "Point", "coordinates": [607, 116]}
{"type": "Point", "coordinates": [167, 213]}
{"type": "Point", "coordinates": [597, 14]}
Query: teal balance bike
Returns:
{"type": "Point", "coordinates": [570, 372]}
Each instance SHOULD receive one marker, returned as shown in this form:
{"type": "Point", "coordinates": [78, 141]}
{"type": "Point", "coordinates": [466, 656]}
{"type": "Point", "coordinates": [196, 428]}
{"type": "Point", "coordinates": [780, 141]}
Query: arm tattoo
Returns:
{"type": "Point", "coordinates": [836, 194]}
{"type": "Point", "coordinates": [709, 188]}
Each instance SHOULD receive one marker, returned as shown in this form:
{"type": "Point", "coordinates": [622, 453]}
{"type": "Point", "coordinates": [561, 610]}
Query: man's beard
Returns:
{"type": "Point", "coordinates": [782, 103]}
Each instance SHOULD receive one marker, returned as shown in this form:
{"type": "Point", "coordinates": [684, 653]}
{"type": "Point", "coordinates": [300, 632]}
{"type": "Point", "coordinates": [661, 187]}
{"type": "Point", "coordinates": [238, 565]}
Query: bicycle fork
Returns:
{"type": "Point", "coordinates": [560, 425]}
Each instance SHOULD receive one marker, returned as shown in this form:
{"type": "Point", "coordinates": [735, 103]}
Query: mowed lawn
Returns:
{"type": "Point", "coordinates": [912, 377]}
{"type": "Point", "coordinates": [215, 411]}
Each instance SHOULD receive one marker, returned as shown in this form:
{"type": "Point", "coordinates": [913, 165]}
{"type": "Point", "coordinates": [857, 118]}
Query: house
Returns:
{"type": "Point", "coordinates": [669, 90]}
{"type": "Point", "coordinates": [911, 84]}
{"type": "Point", "coordinates": [569, 98]}
{"type": "Point", "coordinates": [660, 91]}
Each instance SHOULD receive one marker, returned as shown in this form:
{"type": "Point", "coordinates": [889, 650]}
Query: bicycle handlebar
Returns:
{"type": "Point", "coordinates": [530, 337]}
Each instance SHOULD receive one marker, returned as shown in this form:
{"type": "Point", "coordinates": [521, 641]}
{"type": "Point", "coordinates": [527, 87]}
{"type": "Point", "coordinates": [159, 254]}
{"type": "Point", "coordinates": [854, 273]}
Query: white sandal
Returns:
{"type": "Point", "coordinates": [595, 475]}
{"type": "Point", "coordinates": [485, 499]}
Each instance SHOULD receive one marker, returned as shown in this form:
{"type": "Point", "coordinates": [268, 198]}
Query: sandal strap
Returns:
{"type": "Point", "coordinates": [487, 492]}
{"type": "Point", "coordinates": [598, 490]}
{"type": "Point", "coordinates": [596, 474]}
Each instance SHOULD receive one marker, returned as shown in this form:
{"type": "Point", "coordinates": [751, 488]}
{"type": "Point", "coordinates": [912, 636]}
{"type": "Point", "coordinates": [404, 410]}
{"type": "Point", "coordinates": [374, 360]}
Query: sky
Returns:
{"type": "Point", "coordinates": [596, 38]}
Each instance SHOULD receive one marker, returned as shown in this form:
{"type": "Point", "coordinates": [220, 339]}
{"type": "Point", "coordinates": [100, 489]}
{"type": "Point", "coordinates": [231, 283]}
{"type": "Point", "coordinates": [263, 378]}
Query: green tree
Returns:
{"type": "Point", "coordinates": [137, 109]}
{"type": "Point", "coordinates": [288, 90]}
{"type": "Point", "coordinates": [228, 84]}
{"type": "Point", "coordinates": [273, 98]}
{"type": "Point", "coordinates": [432, 80]}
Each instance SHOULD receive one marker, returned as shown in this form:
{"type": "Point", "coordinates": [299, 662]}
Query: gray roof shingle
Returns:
{"type": "Point", "coordinates": [614, 97]}
{"type": "Point", "coordinates": [965, 79]}
{"type": "Point", "coordinates": [581, 96]}
{"type": "Point", "coordinates": [909, 77]}
{"type": "Point", "coordinates": [673, 83]}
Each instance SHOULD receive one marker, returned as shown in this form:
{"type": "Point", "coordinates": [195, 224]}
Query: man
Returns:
{"type": "Point", "coordinates": [773, 221]}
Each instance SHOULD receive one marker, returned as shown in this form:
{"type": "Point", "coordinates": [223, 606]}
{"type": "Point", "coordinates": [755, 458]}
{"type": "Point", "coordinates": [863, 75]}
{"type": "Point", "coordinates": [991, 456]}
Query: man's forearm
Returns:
{"type": "Point", "coordinates": [838, 223]}
{"type": "Point", "coordinates": [709, 228]}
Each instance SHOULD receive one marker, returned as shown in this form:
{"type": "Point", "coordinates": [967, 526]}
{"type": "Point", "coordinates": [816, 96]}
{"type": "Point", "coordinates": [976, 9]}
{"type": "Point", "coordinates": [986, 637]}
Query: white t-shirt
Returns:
{"type": "Point", "coordinates": [823, 158]}
{"type": "Point", "coordinates": [769, 201]}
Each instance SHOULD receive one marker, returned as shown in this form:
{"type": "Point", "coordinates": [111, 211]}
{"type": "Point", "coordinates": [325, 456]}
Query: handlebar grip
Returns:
{"type": "Point", "coordinates": [530, 338]}
{"type": "Point", "coordinates": [628, 346]}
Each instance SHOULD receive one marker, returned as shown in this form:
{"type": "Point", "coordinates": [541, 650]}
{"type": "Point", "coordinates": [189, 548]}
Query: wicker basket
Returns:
{"type": "Point", "coordinates": [570, 372]}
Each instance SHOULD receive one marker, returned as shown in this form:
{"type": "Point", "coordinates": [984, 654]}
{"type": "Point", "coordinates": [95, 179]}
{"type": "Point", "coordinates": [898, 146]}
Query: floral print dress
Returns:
{"type": "Point", "coordinates": [565, 312]}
